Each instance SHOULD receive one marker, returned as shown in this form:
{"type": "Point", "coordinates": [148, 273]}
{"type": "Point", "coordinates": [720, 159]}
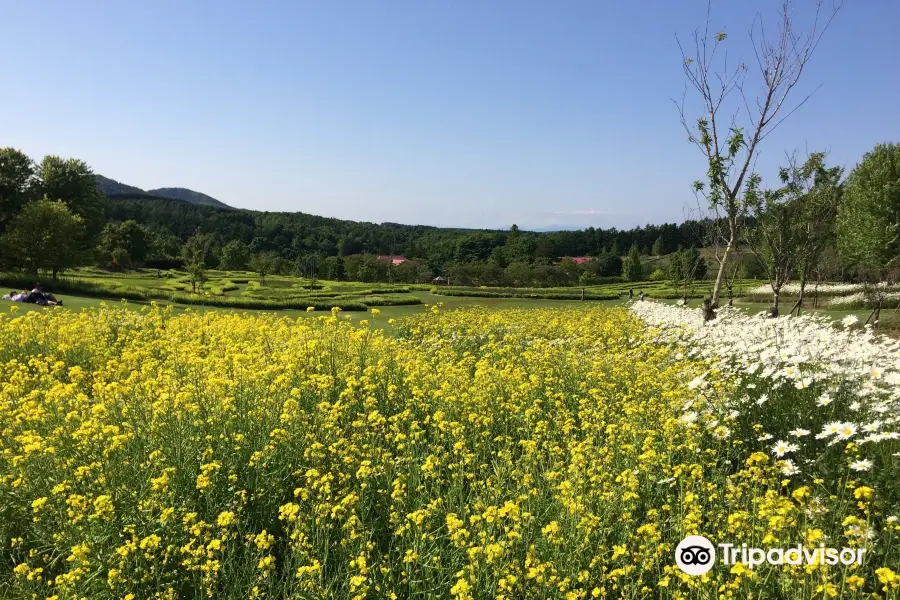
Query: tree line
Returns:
{"type": "Point", "coordinates": [53, 217]}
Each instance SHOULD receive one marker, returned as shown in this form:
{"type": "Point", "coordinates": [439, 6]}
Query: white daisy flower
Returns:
{"type": "Point", "coordinates": [861, 465]}
{"type": "Point", "coordinates": [799, 432]}
{"type": "Point", "coordinates": [849, 320]}
{"type": "Point", "coordinates": [832, 428]}
{"type": "Point", "coordinates": [781, 448]}
{"type": "Point", "coordinates": [790, 468]}
{"type": "Point", "coordinates": [846, 431]}
{"type": "Point", "coordinates": [825, 399]}
{"type": "Point", "coordinates": [688, 418]}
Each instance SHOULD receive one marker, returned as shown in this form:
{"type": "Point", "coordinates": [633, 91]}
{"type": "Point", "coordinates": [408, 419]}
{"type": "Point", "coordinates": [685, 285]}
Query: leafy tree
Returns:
{"type": "Point", "coordinates": [128, 241]}
{"type": "Point", "coordinates": [16, 183]}
{"type": "Point", "coordinates": [118, 257]}
{"type": "Point", "coordinates": [163, 246]}
{"type": "Point", "coordinates": [414, 271]}
{"type": "Point", "coordinates": [44, 235]}
{"type": "Point", "coordinates": [72, 181]}
{"type": "Point", "coordinates": [819, 194]}
{"type": "Point", "coordinates": [519, 274]}
{"type": "Point", "coordinates": [332, 268]}
{"type": "Point", "coordinates": [632, 268]}
{"type": "Point", "coordinates": [685, 267]}
{"type": "Point", "coordinates": [197, 273]}
{"type": "Point", "coordinates": [569, 270]}
{"type": "Point", "coordinates": [200, 249]}
{"type": "Point", "coordinates": [657, 275]}
{"type": "Point", "coordinates": [792, 221]}
{"type": "Point", "coordinates": [607, 264]}
{"type": "Point", "coordinates": [234, 256]}
{"type": "Point", "coordinates": [657, 247]}
{"type": "Point", "coordinates": [751, 267]}
{"type": "Point", "coordinates": [737, 116]}
{"type": "Point", "coordinates": [263, 264]}
{"type": "Point", "coordinates": [868, 221]}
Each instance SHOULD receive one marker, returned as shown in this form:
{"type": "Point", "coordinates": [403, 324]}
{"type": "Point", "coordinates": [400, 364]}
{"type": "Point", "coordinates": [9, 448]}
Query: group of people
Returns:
{"type": "Point", "coordinates": [631, 294]}
{"type": "Point", "coordinates": [35, 296]}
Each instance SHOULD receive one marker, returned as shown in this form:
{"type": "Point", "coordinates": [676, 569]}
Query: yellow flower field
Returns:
{"type": "Point", "coordinates": [477, 454]}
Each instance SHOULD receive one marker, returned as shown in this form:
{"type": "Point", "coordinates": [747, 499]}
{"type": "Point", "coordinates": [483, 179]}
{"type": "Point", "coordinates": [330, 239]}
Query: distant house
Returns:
{"type": "Point", "coordinates": [394, 260]}
{"type": "Point", "coordinates": [439, 279]}
{"type": "Point", "coordinates": [578, 260]}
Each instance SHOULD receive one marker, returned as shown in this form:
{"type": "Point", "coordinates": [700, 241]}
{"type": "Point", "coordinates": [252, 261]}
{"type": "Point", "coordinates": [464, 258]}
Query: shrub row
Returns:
{"type": "Point", "coordinates": [514, 293]}
{"type": "Point", "coordinates": [94, 289]}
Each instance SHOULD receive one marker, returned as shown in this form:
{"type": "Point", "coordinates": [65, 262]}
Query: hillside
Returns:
{"type": "Point", "coordinates": [111, 187]}
{"type": "Point", "coordinates": [188, 196]}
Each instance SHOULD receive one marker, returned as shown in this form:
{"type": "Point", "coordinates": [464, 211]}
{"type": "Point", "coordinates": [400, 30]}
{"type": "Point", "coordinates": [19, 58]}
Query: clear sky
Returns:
{"type": "Point", "coordinates": [415, 111]}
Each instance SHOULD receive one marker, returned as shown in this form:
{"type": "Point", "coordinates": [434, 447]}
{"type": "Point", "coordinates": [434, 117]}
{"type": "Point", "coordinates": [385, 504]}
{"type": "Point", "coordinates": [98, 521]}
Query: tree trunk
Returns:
{"type": "Point", "coordinates": [582, 294]}
{"type": "Point", "coordinates": [55, 273]}
{"type": "Point", "coordinates": [798, 305]}
{"type": "Point", "coordinates": [721, 274]}
{"type": "Point", "coordinates": [876, 312]}
{"type": "Point", "coordinates": [773, 312]}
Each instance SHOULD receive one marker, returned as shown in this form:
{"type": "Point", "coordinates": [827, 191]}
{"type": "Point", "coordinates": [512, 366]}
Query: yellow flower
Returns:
{"type": "Point", "coordinates": [226, 518]}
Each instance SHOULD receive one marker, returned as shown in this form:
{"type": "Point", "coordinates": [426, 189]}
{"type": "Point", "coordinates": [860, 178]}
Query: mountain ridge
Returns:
{"type": "Point", "coordinates": [111, 187]}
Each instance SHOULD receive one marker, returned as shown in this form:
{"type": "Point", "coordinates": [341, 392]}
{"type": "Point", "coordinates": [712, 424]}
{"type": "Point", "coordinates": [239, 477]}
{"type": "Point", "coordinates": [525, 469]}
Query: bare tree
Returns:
{"type": "Point", "coordinates": [739, 114]}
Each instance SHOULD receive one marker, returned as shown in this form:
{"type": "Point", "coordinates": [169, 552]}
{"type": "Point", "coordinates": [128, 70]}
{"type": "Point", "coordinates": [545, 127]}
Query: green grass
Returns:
{"type": "Point", "coordinates": [241, 291]}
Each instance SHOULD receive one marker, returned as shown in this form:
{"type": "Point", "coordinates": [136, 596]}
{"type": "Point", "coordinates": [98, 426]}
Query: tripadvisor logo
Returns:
{"type": "Point", "coordinates": [695, 555]}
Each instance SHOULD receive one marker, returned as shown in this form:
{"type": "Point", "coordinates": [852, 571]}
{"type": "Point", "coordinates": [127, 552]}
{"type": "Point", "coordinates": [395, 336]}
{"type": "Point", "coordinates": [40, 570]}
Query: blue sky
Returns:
{"type": "Point", "coordinates": [445, 113]}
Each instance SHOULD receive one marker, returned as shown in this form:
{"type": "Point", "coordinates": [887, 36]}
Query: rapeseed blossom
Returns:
{"type": "Point", "coordinates": [475, 454]}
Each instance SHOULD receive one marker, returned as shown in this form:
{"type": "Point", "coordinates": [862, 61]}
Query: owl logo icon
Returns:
{"type": "Point", "coordinates": [695, 555]}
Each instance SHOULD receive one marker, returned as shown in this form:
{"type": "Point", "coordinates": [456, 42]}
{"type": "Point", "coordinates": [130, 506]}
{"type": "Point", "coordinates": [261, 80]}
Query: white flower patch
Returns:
{"type": "Point", "coordinates": [853, 375]}
{"type": "Point", "coordinates": [824, 289]}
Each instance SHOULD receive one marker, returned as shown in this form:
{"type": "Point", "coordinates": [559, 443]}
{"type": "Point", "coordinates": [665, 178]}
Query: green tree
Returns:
{"type": "Point", "coordinates": [263, 264]}
{"type": "Point", "coordinates": [16, 183]}
{"type": "Point", "coordinates": [44, 236]}
{"type": "Point", "coordinates": [199, 249]}
{"type": "Point", "coordinates": [234, 256]}
{"type": "Point", "coordinates": [868, 220]}
{"type": "Point", "coordinates": [125, 239]}
{"type": "Point", "coordinates": [569, 270]}
{"type": "Point", "coordinates": [72, 181]}
{"type": "Point", "coordinates": [606, 264]}
{"type": "Point", "coordinates": [793, 221]}
{"type": "Point", "coordinates": [197, 273]}
{"type": "Point", "coordinates": [819, 193]}
{"type": "Point", "coordinates": [519, 274]}
{"type": "Point", "coordinates": [657, 247]}
{"type": "Point", "coordinates": [632, 268]}
{"type": "Point", "coordinates": [685, 267]}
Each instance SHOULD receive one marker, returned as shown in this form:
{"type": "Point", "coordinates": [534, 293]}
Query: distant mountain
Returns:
{"type": "Point", "coordinates": [188, 196]}
{"type": "Point", "coordinates": [111, 187]}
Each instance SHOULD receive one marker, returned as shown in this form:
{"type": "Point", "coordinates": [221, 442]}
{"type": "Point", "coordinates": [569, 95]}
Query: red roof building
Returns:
{"type": "Point", "coordinates": [578, 260]}
{"type": "Point", "coordinates": [394, 260]}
